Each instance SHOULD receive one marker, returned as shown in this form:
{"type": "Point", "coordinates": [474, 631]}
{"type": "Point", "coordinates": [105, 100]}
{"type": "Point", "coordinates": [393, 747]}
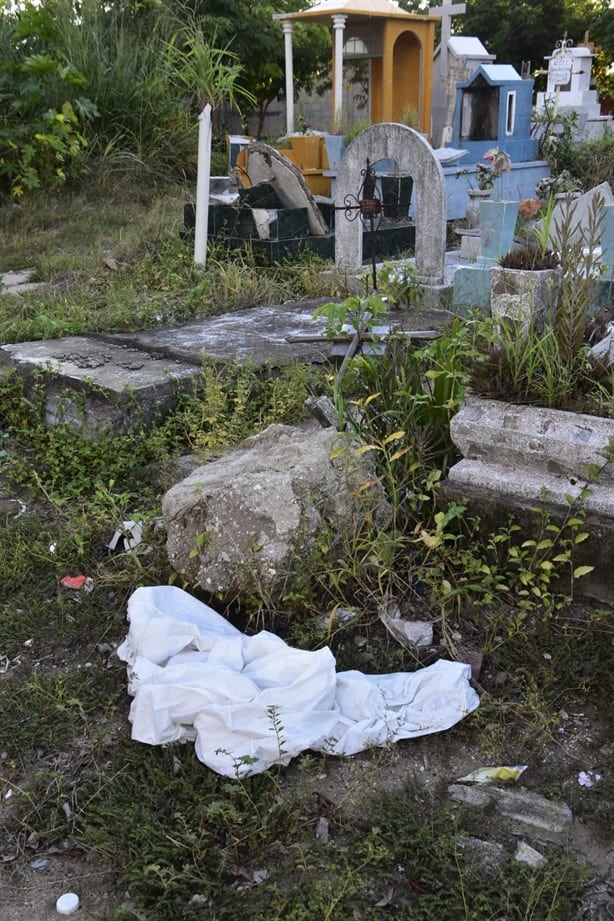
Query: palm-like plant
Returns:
{"type": "Point", "coordinates": [211, 75]}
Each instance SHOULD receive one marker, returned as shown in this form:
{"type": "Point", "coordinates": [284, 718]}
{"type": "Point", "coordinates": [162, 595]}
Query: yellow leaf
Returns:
{"type": "Point", "coordinates": [367, 485]}
{"type": "Point", "coordinates": [394, 437]}
{"type": "Point", "coordinates": [430, 540]}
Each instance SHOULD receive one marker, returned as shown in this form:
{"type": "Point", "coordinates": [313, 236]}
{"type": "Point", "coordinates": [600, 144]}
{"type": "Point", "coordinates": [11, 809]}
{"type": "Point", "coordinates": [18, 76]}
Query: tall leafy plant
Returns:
{"type": "Point", "coordinates": [578, 247]}
{"type": "Point", "coordinates": [250, 31]}
{"type": "Point", "coordinates": [404, 400]}
{"type": "Point", "coordinates": [43, 104]}
{"type": "Point", "coordinates": [209, 74]}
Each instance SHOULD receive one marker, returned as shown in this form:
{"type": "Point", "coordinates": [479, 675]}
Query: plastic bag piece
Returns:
{"type": "Point", "coordinates": [249, 702]}
{"type": "Point", "coordinates": [128, 537]}
{"type": "Point", "coordinates": [78, 583]}
{"type": "Point", "coordinates": [488, 774]}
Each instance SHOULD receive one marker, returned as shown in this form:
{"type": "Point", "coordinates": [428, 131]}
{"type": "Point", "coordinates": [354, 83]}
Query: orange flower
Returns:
{"type": "Point", "coordinates": [529, 207]}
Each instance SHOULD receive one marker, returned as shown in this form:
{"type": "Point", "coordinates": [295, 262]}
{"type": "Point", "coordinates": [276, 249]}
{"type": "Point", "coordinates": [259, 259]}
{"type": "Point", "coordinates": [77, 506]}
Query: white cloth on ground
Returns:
{"type": "Point", "coordinates": [249, 702]}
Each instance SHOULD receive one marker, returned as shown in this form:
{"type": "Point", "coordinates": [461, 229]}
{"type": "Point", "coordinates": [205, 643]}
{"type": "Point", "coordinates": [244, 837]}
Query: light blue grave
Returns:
{"type": "Point", "coordinates": [607, 242]}
{"type": "Point", "coordinates": [471, 283]}
{"type": "Point", "coordinates": [471, 287]}
{"type": "Point", "coordinates": [493, 109]}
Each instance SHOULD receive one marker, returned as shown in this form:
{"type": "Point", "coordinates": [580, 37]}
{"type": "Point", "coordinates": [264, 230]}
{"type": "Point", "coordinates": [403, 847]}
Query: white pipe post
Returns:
{"type": "Point", "coordinates": [203, 180]}
{"type": "Point", "coordinates": [288, 26]}
{"type": "Point", "coordinates": [338, 30]}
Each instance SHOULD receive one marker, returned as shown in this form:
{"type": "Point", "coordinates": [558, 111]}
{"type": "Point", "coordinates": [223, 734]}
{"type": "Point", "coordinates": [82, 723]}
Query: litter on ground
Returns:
{"type": "Point", "coordinates": [488, 774]}
{"type": "Point", "coordinates": [249, 702]}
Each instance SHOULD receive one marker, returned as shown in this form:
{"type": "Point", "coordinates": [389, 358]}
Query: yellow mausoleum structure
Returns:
{"type": "Point", "coordinates": [398, 46]}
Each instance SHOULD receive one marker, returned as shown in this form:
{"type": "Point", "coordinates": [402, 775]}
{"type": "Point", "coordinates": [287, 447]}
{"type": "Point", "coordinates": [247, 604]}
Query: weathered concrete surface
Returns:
{"type": "Point", "coordinates": [19, 282]}
{"type": "Point", "coordinates": [414, 156]}
{"type": "Point", "coordinates": [243, 523]}
{"type": "Point", "coordinates": [258, 334]}
{"type": "Point", "coordinates": [118, 380]}
{"type": "Point", "coordinates": [524, 460]}
{"type": "Point", "coordinates": [530, 452]}
{"type": "Point", "coordinates": [528, 813]}
{"type": "Point", "coordinates": [523, 295]}
{"type": "Point", "coordinates": [91, 384]}
{"type": "Point", "coordinates": [493, 509]}
{"type": "Point", "coordinates": [265, 164]}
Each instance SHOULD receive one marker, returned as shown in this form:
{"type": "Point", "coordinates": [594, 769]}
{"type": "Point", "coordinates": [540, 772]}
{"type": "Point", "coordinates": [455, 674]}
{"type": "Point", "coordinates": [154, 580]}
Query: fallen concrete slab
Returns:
{"type": "Point", "coordinates": [19, 282]}
{"type": "Point", "coordinates": [119, 380]}
{"type": "Point", "coordinates": [91, 384]}
{"type": "Point", "coordinates": [257, 334]}
{"type": "Point", "coordinates": [116, 381]}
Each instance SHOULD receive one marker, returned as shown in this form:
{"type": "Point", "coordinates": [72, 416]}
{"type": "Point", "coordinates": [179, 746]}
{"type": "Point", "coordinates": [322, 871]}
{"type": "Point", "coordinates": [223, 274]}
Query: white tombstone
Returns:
{"type": "Point", "coordinates": [415, 157]}
{"type": "Point", "coordinates": [569, 88]}
{"type": "Point", "coordinates": [465, 53]}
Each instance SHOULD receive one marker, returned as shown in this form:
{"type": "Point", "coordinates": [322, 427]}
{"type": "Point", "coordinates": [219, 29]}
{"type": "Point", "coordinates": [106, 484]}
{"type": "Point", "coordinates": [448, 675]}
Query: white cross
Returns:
{"type": "Point", "coordinates": [446, 11]}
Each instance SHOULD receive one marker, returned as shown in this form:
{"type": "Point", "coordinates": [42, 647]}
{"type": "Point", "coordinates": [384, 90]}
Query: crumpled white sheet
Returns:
{"type": "Point", "coordinates": [249, 702]}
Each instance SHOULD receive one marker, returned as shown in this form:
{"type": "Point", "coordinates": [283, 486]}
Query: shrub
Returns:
{"type": "Point", "coordinates": [531, 256]}
{"type": "Point", "coordinates": [594, 161]}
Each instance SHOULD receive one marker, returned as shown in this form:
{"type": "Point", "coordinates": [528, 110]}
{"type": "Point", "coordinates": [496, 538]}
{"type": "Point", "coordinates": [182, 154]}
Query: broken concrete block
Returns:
{"type": "Point", "coordinates": [527, 854]}
{"type": "Point", "coordinates": [527, 812]}
{"type": "Point", "coordinates": [243, 523]}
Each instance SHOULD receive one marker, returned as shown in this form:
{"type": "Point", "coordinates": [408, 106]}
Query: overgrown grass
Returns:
{"type": "Point", "coordinates": [410, 857]}
{"type": "Point", "coordinates": [189, 842]}
{"type": "Point", "coordinates": [120, 264]}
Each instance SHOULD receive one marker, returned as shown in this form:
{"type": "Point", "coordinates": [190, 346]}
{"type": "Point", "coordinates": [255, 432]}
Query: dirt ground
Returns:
{"type": "Point", "coordinates": [434, 762]}
{"type": "Point", "coordinates": [30, 895]}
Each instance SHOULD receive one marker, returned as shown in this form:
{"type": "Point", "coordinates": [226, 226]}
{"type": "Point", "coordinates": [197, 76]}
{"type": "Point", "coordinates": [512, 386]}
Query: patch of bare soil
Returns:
{"type": "Point", "coordinates": [28, 894]}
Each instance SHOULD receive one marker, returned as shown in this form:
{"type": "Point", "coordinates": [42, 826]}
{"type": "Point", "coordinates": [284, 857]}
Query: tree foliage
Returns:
{"type": "Point", "coordinates": [122, 80]}
{"type": "Point", "coordinates": [527, 30]}
{"type": "Point", "coordinates": [249, 30]}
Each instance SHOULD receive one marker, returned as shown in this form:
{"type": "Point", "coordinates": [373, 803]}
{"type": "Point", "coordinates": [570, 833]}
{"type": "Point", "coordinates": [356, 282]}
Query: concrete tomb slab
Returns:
{"type": "Point", "coordinates": [133, 378]}
{"type": "Point", "coordinates": [118, 380]}
{"type": "Point", "coordinates": [519, 458]}
{"type": "Point", "coordinates": [19, 282]}
{"type": "Point", "coordinates": [258, 334]}
{"type": "Point", "coordinates": [91, 384]}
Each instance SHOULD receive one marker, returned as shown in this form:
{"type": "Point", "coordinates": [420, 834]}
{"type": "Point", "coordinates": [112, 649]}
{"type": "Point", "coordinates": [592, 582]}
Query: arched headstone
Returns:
{"type": "Point", "coordinates": [415, 157]}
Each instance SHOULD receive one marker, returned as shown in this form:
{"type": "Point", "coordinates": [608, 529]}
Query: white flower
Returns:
{"type": "Point", "coordinates": [588, 778]}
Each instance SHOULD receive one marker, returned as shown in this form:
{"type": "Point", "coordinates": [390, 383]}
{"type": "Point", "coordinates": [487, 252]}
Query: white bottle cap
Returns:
{"type": "Point", "coordinates": [67, 904]}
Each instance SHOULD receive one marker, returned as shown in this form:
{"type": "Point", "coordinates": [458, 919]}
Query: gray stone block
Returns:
{"type": "Point", "coordinates": [526, 812]}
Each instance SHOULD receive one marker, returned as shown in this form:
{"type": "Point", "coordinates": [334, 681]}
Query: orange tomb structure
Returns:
{"type": "Point", "coordinates": [398, 46]}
